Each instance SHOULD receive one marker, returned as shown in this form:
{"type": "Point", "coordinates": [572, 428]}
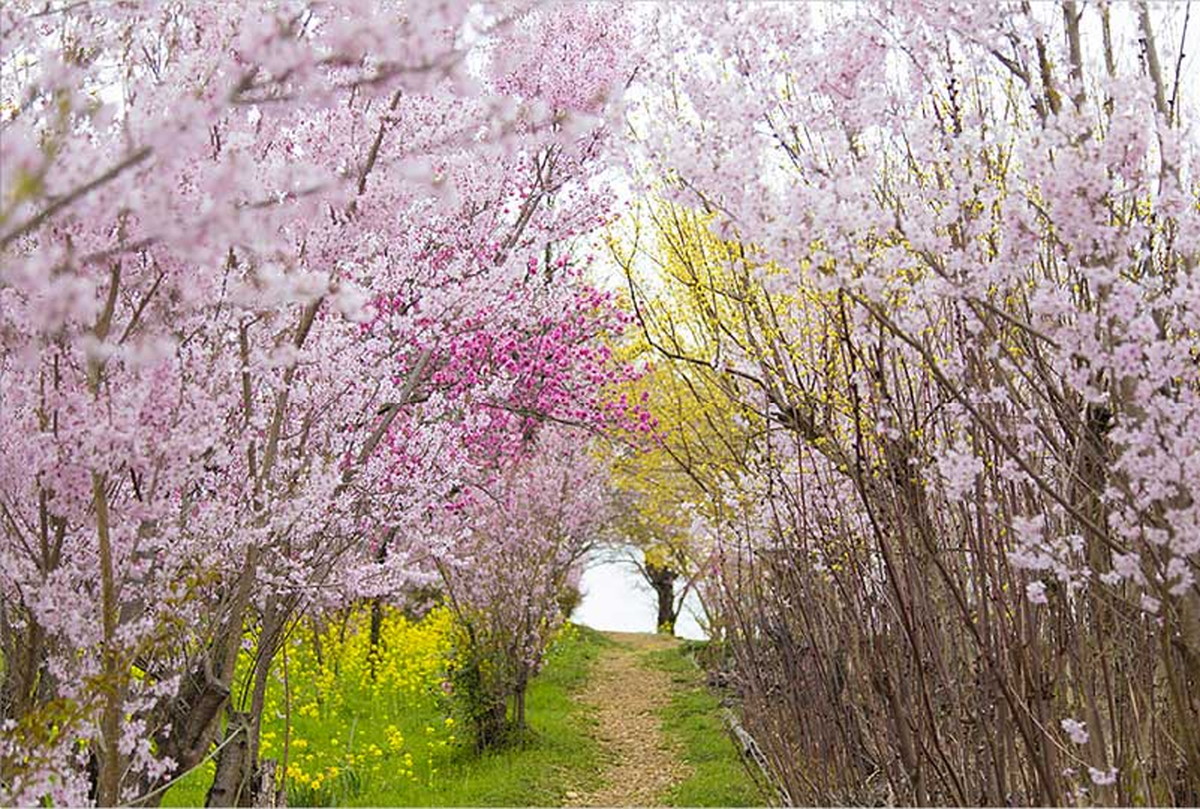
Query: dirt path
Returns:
{"type": "Point", "coordinates": [639, 764]}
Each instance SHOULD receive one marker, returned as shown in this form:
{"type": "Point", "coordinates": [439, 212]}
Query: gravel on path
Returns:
{"type": "Point", "coordinates": [639, 764]}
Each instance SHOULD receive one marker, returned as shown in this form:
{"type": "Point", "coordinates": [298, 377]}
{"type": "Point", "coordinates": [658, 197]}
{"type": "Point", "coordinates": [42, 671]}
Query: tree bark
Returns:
{"type": "Point", "coordinates": [662, 579]}
{"type": "Point", "coordinates": [232, 784]}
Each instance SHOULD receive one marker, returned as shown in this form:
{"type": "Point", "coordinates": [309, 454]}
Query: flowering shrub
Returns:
{"type": "Point", "coordinates": [521, 534]}
{"type": "Point", "coordinates": [338, 737]}
{"type": "Point", "coordinates": [247, 254]}
{"type": "Point", "coordinates": [333, 730]}
{"type": "Point", "coordinates": [939, 275]}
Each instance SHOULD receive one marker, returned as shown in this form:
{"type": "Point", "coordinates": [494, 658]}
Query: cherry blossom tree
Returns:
{"type": "Point", "coordinates": [242, 253]}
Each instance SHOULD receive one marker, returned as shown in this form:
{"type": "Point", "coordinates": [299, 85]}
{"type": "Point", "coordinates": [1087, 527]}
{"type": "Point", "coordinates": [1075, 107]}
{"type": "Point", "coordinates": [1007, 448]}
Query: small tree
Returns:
{"type": "Point", "coordinates": [520, 536]}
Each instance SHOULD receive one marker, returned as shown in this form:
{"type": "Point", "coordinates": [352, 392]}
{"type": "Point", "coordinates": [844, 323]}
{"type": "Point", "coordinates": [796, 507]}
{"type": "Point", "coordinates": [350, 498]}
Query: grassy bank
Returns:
{"type": "Point", "coordinates": [693, 721]}
{"type": "Point", "coordinates": [402, 751]}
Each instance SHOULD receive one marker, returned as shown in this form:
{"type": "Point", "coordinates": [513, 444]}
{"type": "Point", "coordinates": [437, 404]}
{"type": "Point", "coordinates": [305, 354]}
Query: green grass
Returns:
{"type": "Point", "coordinates": [693, 720]}
{"type": "Point", "coordinates": [558, 755]}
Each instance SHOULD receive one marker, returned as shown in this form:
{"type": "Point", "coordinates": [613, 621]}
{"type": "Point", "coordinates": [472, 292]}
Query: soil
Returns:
{"type": "Point", "coordinates": [639, 764]}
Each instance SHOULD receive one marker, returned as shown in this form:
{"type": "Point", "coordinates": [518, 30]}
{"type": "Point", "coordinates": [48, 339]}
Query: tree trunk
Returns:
{"type": "Point", "coordinates": [267, 794]}
{"type": "Point", "coordinates": [662, 579]}
{"type": "Point", "coordinates": [232, 784]}
{"type": "Point", "coordinates": [108, 784]}
{"type": "Point", "coordinates": [189, 720]}
{"type": "Point", "coordinates": [376, 631]}
{"type": "Point", "coordinates": [377, 611]}
{"type": "Point", "coordinates": [491, 728]}
{"type": "Point", "coordinates": [519, 705]}
{"type": "Point", "coordinates": [270, 639]}
{"type": "Point", "coordinates": [188, 726]}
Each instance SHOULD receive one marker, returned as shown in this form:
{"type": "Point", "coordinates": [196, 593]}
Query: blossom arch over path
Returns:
{"type": "Point", "coordinates": [295, 313]}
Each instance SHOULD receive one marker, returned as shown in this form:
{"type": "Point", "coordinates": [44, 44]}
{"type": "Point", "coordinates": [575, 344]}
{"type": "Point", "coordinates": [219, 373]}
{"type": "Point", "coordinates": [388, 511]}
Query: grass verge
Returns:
{"type": "Point", "coordinates": [693, 720]}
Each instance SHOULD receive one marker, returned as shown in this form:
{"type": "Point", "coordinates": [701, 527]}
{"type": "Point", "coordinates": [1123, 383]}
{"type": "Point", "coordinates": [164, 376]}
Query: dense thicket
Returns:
{"type": "Point", "coordinates": [936, 276]}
